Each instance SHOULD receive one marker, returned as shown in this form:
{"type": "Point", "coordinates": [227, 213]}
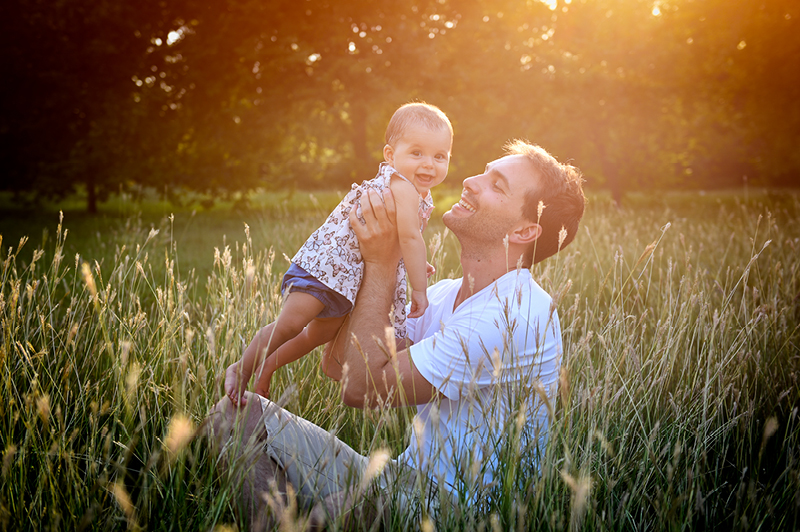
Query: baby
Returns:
{"type": "Point", "coordinates": [321, 284]}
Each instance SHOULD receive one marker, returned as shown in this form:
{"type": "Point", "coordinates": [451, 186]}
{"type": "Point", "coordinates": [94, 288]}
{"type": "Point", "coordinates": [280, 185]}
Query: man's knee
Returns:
{"type": "Point", "coordinates": [234, 429]}
{"type": "Point", "coordinates": [219, 424]}
{"type": "Point", "coordinates": [237, 436]}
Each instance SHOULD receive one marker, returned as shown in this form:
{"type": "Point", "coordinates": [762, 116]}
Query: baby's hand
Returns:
{"type": "Point", "coordinates": [236, 384]}
{"type": "Point", "coordinates": [429, 269]}
{"type": "Point", "coordinates": [419, 302]}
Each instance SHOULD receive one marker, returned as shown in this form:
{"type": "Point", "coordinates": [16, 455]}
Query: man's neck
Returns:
{"type": "Point", "coordinates": [481, 270]}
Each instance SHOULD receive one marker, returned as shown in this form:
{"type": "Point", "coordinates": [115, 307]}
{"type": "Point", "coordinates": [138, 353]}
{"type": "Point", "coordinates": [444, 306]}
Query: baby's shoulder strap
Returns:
{"type": "Point", "coordinates": [402, 177]}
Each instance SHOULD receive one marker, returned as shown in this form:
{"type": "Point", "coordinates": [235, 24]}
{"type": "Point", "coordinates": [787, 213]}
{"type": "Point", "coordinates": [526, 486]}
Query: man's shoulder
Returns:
{"type": "Point", "coordinates": [518, 282]}
{"type": "Point", "coordinates": [518, 290]}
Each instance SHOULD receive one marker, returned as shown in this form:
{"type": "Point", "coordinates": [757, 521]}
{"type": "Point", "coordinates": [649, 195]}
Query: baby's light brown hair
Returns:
{"type": "Point", "coordinates": [427, 115]}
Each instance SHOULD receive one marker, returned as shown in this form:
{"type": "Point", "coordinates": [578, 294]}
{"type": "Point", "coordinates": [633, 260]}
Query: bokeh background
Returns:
{"type": "Point", "coordinates": [221, 97]}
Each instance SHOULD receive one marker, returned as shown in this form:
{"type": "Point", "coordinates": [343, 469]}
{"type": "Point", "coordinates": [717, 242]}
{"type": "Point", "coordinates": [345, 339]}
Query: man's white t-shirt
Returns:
{"type": "Point", "coordinates": [486, 358]}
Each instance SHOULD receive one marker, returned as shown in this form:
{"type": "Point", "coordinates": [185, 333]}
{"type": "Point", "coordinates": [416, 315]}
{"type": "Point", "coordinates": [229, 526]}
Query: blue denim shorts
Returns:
{"type": "Point", "coordinates": [296, 279]}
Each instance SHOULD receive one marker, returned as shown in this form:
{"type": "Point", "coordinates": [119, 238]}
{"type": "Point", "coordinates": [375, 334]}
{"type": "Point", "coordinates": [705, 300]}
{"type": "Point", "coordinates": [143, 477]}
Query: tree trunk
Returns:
{"type": "Point", "coordinates": [612, 176]}
{"type": "Point", "coordinates": [610, 169]}
{"type": "Point", "coordinates": [91, 194]}
{"type": "Point", "coordinates": [363, 165]}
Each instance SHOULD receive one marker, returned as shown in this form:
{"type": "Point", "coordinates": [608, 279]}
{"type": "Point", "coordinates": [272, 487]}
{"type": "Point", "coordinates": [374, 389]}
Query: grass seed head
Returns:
{"type": "Point", "coordinates": [426, 525]}
{"type": "Point", "coordinates": [770, 428]}
{"type": "Point", "coordinates": [377, 462]}
{"type": "Point", "coordinates": [496, 525]}
{"type": "Point", "coordinates": [132, 382]}
{"type": "Point", "coordinates": [72, 333]}
{"type": "Point", "coordinates": [88, 279]}
{"type": "Point", "coordinates": [43, 408]}
{"type": "Point", "coordinates": [581, 488]}
{"type": "Point", "coordinates": [179, 434]}
{"type": "Point", "coordinates": [391, 343]}
{"type": "Point", "coordinates": [125, 350]}
{"type": "Point", "coordinates": [249, 278]}
{"type": "Point", "coordinates": [123, 499]}
{"type": "Point", "coordinates": [8, 459]}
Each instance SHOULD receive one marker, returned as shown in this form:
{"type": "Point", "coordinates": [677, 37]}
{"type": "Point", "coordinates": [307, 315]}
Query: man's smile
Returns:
{"type": "Point", "coordinates": [464, 204]}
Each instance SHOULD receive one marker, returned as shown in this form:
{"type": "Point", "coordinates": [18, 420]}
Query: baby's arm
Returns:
{"type": "Point", "coordinates": [412, 245]}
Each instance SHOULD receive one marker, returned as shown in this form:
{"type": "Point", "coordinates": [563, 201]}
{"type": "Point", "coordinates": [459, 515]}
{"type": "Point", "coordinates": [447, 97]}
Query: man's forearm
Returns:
{"type": "Point", "coordinates": [364, 358]}
{"type": "Point", "coordinates": [371, 375]}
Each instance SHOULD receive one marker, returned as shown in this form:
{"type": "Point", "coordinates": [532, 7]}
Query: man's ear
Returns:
{"type": "Point", "coordinates": [388, 154]}
{"type": "Point", "coordinates": [526, 233]}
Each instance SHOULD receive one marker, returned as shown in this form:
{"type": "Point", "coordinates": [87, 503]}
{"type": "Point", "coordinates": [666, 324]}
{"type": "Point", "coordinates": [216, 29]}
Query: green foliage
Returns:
{"type": "Point", "coordinates": [67, 113]}
{"type": "Point", "coordinates": [230, 96]}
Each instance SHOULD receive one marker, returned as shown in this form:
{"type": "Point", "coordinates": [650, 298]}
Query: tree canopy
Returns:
{"type": "Point", "coordinates": [233, 95]}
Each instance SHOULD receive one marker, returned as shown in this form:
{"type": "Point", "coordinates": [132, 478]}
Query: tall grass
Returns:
{"type": "Point", "coordinates": [677, 406]}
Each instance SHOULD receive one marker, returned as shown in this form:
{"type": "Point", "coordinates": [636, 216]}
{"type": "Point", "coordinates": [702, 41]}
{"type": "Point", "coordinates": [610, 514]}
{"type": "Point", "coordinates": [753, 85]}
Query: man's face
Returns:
{"type": "Point", "coordinates": [491, 203]}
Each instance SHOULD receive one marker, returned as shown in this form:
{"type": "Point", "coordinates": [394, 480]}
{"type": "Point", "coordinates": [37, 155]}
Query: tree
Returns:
{"type": "Point", "coordinates": [231, 95]}
{"type": "Point", "coordinates": [67, 110]}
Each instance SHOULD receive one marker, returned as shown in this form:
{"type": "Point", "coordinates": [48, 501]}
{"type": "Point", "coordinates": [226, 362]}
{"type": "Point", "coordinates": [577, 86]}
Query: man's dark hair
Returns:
{"type": "Point", "coordinates": [556, 203]}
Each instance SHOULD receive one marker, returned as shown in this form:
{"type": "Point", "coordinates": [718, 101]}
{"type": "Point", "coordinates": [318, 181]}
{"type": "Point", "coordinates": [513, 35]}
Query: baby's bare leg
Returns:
{"type": "Point", "coordinates": [317, 333]}
{"type": "Point", "coordinates": [292, 350]}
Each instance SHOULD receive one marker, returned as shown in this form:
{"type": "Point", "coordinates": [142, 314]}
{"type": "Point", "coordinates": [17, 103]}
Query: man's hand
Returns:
{"type": "Point", "coordinates": [377, 236]}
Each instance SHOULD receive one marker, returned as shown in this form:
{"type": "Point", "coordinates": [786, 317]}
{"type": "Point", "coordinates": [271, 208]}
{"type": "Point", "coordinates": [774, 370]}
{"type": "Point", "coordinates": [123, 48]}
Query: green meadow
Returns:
{"type": "Point", "coordinates": [677, 409]}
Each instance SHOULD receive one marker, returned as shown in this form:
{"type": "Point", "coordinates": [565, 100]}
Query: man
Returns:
{"type": "Point", "coordinates": [484, 357]}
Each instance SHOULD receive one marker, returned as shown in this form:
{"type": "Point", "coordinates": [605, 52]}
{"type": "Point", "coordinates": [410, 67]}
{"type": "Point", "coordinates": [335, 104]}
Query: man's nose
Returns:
{"type": "Point", "coordinates": [471, 183]}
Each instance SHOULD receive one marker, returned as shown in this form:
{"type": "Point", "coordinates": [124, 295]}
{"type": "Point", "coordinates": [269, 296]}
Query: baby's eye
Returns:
{"type": "Point", "coordinates": [441, 157]}
{"type": "Point", "coordinates": [416, 153]}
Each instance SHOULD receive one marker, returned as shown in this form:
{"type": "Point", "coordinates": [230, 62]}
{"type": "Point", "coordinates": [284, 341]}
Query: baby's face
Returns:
{"type": "Point", "coordinates": [421, 155]}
